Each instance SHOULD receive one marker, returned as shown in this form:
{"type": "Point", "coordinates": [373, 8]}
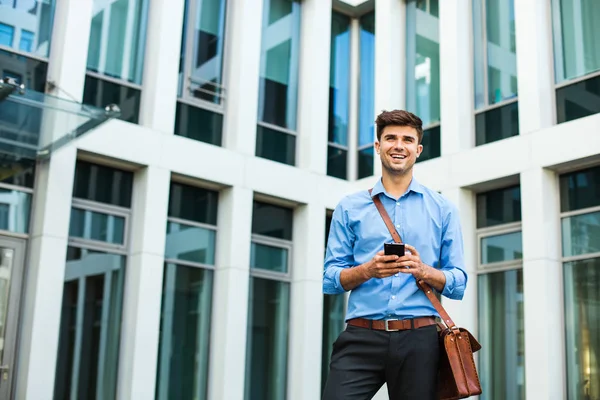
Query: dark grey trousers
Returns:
{"type": "Point", "coordinates": [363, 360]}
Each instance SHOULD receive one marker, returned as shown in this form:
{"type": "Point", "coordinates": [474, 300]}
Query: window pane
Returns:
{"type": "Point", "coordinates": [497, 124]}
{"type": "Point", "coordinates": [366, 161]}
{"type": "Point", "coordinates": [193, 203]}
{"type": "Point", "coordinates": [422, 64]}
{"type": "Point", "coordinates": [270, 220]}
{"type": "Point", "coordinates": [581, 234]}
{"type": "Point", "coordinates": [506, 247]}
{"type": "Point", "coordinates": [33, 19]}
{"type": "Point", "coordinates": [576, 38]}
{"type": "Point", "coordinates": [206, 62]}
{"type": "Point", "coordinates": [182, 371]}
{"type": "Point", "coordinates": [337, 162]}
{"type": "Point", "coordinates": [279, 64]}
{"type": "Point", "coordinates": [266, 356]}
{"type": "Point", "coordinates": [275, 145]}
{"type": "Point", "coordinates": [269, 258]}
{"type": "Point", "coordinates": [101, 93]}
{"type": "Point", "coordinates": [582, 319]}
{"type": "Point", "coordinates": [32, 73]}
{"type": "Point", "coordinates": [15, 207]}
{"type": "Point", "coordinates": [102, 184]}
{"type": "Point", "coordinates": [432, 144]}
{"type": "Point", "coordinates": [573, 101]}
{"type": "Point", "coordinates": [19, 172]}
{"type": "Point", "coordinates": [199, 124]}
{"type": "Point", "coordinates": [92, 225]}
{"type": "Point", "coordinates": [580, 189]}
{"type": "Point", "coordinates": [333, 325]}
{"type": "Point", "coordinates": [501, 206]}
{"type": "Point", "coordinates": [366, 104]}
{"type": "Point", "coordinates": [118, 38]}
{"type": "Point", "coordinates": [190, 243]}
{"type": "Point", "coordinates": [339, 79]}
{"type": "Point", "coordinates": [501, 325]}
{"type": "Point", "coordinates": [90, 325]}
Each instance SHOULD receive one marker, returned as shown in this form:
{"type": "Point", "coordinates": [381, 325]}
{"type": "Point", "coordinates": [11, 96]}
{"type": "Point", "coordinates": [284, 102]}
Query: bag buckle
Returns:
{"type": "Point", "coordinates": [387, 326]}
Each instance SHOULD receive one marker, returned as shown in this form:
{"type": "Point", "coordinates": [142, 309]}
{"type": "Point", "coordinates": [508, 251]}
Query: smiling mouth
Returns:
{"type": "Point", "coordinates": [398, 157]}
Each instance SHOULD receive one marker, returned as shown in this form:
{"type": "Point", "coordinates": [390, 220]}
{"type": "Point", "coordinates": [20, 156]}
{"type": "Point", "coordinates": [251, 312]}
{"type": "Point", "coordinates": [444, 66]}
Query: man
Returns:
{"type": "Point", "coordinates": [383, 288]}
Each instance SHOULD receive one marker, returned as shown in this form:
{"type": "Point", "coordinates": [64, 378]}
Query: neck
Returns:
{"type": "Point", "coordinates": [396, 184]}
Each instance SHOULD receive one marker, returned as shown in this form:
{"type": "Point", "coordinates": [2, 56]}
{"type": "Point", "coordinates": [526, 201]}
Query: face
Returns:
{"type": "Point", "coordinates": [398, 149]}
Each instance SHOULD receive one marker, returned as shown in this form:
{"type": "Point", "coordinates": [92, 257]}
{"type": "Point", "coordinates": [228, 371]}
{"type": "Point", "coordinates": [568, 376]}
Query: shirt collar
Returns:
{"type": "Point", "coordinates": [414, 186]}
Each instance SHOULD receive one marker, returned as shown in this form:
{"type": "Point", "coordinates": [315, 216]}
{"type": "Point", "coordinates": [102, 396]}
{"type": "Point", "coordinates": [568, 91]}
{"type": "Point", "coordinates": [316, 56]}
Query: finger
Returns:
{"type": "Point", "coordinates": [405, 264]}
{"type": "Point", "coordinates": [385, 259]}
{"type": "Point", "coordinates": [412, 250]}
{"type": "Point", "coordinates": [380, 253]}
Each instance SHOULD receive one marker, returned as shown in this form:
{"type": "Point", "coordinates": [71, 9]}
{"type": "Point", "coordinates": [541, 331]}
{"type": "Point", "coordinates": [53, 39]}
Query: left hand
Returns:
{"type": "Point", "coordinates": [412, 264]}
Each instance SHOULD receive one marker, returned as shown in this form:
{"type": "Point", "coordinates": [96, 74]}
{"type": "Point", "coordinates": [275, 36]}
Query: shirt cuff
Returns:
{"type": "Point", "coordinates": [450, 283]}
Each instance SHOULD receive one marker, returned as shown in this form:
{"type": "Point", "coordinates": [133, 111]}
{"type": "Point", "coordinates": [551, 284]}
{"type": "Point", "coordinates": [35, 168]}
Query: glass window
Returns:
{"type": "Point", "coordinates": [339, 96]}
{"type": "Point", "coordinates": [202, 50]}
{"type": "Point", "coordinates": [576, 32]}
{"type": "Point", "coordinates": [267, 353]}
{"type": "Point", "coordinates": [193, 203]}
{"type": "Point", "coordinates": [581, 234]}
{"type": "Point", "coordinates": [366, 105]}
{"type": "Point", "coordinates": [183, 352]}
{"type": "Point", "coordinates": [432, 144]}
{"type": "Point", "coordinates": [271, 220]}
{"type": "Point", "coordinates": [333, 324]}
{"type": "Point", "coordinates": [33, 19]}
{"type": "Point", "coordinates": [24, 70]}
{"type": "Point", "coordinates": [270, 258]}
{"type": "Point", "coordinates": [497, 124]}
{"type": "Point", "coordinates": [276, 145]}
{"type": "Point", "coordinates": [501, 324]}
{"type": "Point", "coordinates": [102, 184]}
{"type": "Point", "coordinates": [199, 124]}
{"type": "Point", "coordinates": [101, 93]}
{"type": "Point", "coordinates": [98, 226]}
{"type": "Point", "coordinates": [190, 243]}
{"type": "Point", "coordinates": [501, 248]}
{"type": "Point", "coordinates": [495, 51]}
{"type": "Point", "coordinates": [15, 208]}
{"type": "Point", "coordinates": [423, 62]}
{"type": "Point", "coordinates": [118, 39]}
{"type": "Point", "coordinates": [579, 190]}
{"type": "Point", "coordinates": [573, 101]}
{"type": "Point", "coordinates": [501, 206]}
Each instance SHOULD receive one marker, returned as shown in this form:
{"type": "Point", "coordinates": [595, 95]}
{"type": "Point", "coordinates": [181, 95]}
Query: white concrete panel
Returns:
{"type": "Point", "coordinates": [161, 64]}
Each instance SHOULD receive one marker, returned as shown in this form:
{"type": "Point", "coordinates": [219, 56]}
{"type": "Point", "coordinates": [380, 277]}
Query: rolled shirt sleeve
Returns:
{"type": "Point", "coordinates": [452, 256]}
{"type": "Point", "coordinates": [339, 254]}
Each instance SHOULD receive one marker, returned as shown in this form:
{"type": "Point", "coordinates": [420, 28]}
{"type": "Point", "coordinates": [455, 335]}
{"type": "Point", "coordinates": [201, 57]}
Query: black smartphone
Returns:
{"type": "Point", "coordinates": [393, 249]}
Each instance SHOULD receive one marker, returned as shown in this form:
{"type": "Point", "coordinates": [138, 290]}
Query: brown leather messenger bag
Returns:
{"type": "Point", "coordinates": [457, 373]}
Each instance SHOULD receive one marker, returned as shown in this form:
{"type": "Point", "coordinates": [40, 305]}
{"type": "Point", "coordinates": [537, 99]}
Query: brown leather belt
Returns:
{"type": "Point", "coordinates": [392, 324]}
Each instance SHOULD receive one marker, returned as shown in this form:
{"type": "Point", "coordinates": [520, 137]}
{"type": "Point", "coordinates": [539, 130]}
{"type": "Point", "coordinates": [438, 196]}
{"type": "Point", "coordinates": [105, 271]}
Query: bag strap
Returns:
{"type": "Point", "coordinates": [420, 283]}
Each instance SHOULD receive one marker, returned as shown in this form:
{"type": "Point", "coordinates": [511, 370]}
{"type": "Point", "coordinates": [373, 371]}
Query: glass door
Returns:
{"type": "Point", "coordinates": [12, 253]}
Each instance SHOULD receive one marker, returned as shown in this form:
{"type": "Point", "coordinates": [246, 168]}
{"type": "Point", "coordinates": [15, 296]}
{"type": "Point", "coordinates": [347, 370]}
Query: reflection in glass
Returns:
{"type": "Point", "coordinates": [497, 124]}
{"type": "Point", "coordinates": [500, 248]}
{"type": "Point", "coordinates": [339, 80]}
{"type": "Point", "coordinates": [279, 64]}
{"type": "Point", "coordinates": [101, 93]}
{"type": "Point", "coordinates": [204, 78]}
{"type": "Point", "coordinates": [576, 32]}
{"type": "Point", "coordinates": [271, 220]}
{"type": "Point", "coordinates": [497, 53]}
{"type": "Point", "coordinates": [15, 208]}
{"type": "Point", "coordinates": [573, 101]}
{"type": "Point", "coordinates": [102, 184]}
{"type": "Point", "coordinates": [276, 145]}
{"type": "Point", "coordinates": [580, 189]}
{"type": "Point", "coordinates": [582, 319]}
{"type": "Point", "coordinates": [500, 206]}
{"type": "Point", "coordinates": [7, 264]}
{"type": "Point", "coordinates": [26, 25]}
{"type": "Point", "coordinates": [581, 234]}
{"type": "Point", "coordinates": [24, 70]}
{"type": "Point", "coordinates": [366, 158]}
{"type": "Point", "coordinates": [337, 162]}
{"type": "Point", "coordinates": [432, 144]}
{"type": "Point", "coordinates": [93, 225]}
{"type": "Point", "coordinates": [90, 326]}
{"type": "Point", "coordinates": [501, 325]}
{"type": "Point", "coordinates": [182, 371]}
{"type": "Point", "coordinates": [269, 258]}
{"type": "Point", "coordinates": [190, 243]}
{"type": "Point", "coordinates": [333, 325]}
{"type": "Point", "coordinates": [118, 38]}
{"type": "Point", "coordinates": [267, 351]}
{"type": "Point", "coordinates": [193, 203]}
{"type": "Point", "coordinates": [199, 124]}
{"type": "Point", "coordinates": [422, 64]}
{"type": "Point", "coordinates": [366, 106]}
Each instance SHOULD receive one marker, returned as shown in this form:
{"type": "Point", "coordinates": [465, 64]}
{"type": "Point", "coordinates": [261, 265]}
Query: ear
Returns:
{"type": "Point", "coordinates": [377, 146]}
{"type": "Point", "coordinates": [419, 150]}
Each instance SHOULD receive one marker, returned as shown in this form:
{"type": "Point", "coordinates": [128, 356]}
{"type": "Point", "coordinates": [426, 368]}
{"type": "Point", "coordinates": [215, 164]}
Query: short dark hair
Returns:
{"type": "Point", "coordinates": [398, 118]}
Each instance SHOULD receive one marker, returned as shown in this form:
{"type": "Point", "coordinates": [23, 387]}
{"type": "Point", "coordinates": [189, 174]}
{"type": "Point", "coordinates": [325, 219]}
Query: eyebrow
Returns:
{"type": "Point", "coordinates": [394, 135]}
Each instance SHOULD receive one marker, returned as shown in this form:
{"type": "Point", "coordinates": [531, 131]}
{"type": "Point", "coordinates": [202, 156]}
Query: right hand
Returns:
{"type": "Point", "coordinates": [382, 266]}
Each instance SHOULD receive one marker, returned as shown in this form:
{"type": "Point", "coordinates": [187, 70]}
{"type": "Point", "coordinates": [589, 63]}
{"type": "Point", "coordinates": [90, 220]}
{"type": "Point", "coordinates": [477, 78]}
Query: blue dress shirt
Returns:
{"type": "Point", "coordinates": [425, 220]}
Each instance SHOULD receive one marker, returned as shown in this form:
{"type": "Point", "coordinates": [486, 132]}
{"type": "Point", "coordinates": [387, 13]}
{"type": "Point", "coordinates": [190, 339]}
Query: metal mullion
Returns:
{"type": "Point", "coordinates": [13, 234]}
{"type": "Point", "coordinates": [78, 337]}
{"type": "Point", "coordinates": [188, 55]}
{"type": "Point", "coordinates": [101, 207]}
{"type": "Point", "coordinates": [96, 246]}
{"type": "Point", "coordinates": [499, 229]}
{"type": "Point", "coordinates": [203, 104]}
{"type": "Point", "coordinates": [499, 267]}
{"type": "Point", "coordinates": [23, 54]}
{"type": "Point", "coordinates": [192, 223]}
{"type": "Point", "coordinates": [270, 241]}
{"type": "Point", "coordinates": [116, 81]}
{"type": "Point", "coordinates": [270, 275]}
{"type": "Point", "coordinates": [573, 81]}
{"type": "Point", "coordinates": [337, 146]}
{"type": "Point", "coordinates": [496, 105]}
{"type": "Point", "coordinates": [432, 125]}
{"type": "Point", "coordinates": [276, 128]}
{"type": "Point", "coordinates": [167, 336]}
{"type": "Point", "coordinates": [365, 147]}
{"type": "Point", "coordinates": [15, 187]}
{"type": "Point", "coordinates": [103, 334]}
{"type": "Point", "coordinates": [581, 257]}
{"type": "Point", "coordinates": [486, 88]}
{"type": "Point", "coordinates": [589, 210]}
{"type": "Point", "coordinates": [188, 263]}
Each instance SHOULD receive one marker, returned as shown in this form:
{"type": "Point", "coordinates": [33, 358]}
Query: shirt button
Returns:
{"type": "Point", "coordinates": [397, 275]}
{"type": "Point", "coordinates": [393, 297]}
{"type": "Point", "coordinates": [398, 203]}
{"type": "Point", "coordinates": [398, 226]}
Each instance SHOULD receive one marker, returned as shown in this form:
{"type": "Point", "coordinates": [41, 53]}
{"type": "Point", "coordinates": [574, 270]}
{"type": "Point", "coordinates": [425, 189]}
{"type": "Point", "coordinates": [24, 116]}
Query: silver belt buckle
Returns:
{"type": "Point", "coordinates": [387, 326]}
